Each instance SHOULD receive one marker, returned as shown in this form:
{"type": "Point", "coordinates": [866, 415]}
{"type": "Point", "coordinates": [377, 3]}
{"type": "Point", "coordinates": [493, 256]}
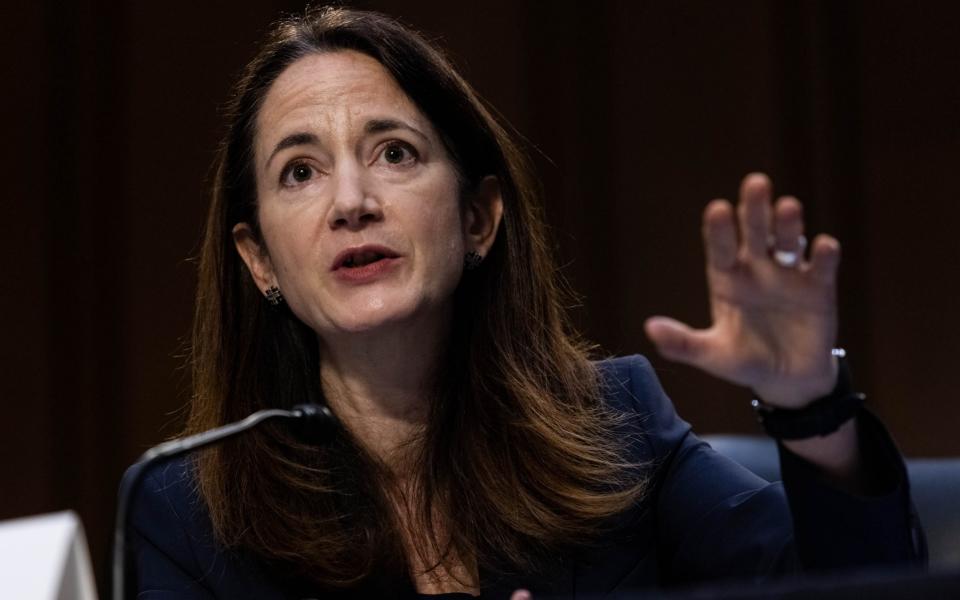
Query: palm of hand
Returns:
{"type": "Point", "coordinates": [773, 326]}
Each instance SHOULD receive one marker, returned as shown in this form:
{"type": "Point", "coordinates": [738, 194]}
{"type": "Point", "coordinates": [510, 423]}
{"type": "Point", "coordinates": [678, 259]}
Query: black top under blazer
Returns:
{"type": "Point", "coordinates": [705, 517]}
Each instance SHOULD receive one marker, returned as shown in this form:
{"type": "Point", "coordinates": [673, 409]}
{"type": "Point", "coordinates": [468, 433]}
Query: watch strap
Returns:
{"type": "Point", "coordinates": [821, 417]}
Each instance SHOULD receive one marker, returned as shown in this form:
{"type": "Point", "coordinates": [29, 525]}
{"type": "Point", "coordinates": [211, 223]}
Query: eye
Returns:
{"type": "Point", "coordinates": [296, 173]}
{"type": "Point", "coordinates": [397, 153]}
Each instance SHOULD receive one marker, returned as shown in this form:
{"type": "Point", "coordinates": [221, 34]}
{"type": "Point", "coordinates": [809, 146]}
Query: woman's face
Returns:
{"type": "Point", "coordinates": [358, 200]}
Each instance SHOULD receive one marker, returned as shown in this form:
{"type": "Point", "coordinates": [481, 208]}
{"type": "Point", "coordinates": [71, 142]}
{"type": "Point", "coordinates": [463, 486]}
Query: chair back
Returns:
{"type": "Point", "coordinates": [934, 485]}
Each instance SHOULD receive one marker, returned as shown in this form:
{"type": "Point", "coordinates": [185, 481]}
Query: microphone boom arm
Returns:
{"type": "Point", "coordinates": [313, 414]}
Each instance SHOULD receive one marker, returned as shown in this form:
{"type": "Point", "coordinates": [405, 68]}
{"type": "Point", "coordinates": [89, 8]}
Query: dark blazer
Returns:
{"type": "Point", "coordinates": [705, 517]}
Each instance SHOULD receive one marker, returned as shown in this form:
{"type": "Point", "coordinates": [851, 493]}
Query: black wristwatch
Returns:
{"type": "Point", "coordinates": [821, 417]}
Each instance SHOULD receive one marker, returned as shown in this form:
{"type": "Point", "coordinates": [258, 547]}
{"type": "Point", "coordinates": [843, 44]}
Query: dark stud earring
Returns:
{"type": "Point", "coordinates": [472, 260]}
{"type": "Point", "coordinates": [274, 297]}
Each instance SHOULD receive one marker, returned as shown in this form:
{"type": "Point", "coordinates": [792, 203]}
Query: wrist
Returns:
{"type": "Point", "coordinates": [798, 391]}
{"type": "Point", "coordinates": [819, 418]}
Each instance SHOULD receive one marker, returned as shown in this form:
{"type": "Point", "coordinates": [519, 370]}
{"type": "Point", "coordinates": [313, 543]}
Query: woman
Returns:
{"type": "Point", "coordinates": [374, 243]}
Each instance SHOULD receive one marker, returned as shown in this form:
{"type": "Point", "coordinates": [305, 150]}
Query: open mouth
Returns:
{"type": "Point", "coordinates": [355, 258]}
{"type": "Point", "coordinates": [362, 259]}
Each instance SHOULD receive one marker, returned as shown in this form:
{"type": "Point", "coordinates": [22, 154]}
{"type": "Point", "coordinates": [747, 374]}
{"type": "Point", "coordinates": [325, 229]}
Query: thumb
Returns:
{"type": "Point", "coordinates": [677, 341]}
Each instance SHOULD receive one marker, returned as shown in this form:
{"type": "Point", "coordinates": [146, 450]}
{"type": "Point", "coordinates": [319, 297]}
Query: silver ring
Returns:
{"type": "Point", "coordinates": [790, 258]}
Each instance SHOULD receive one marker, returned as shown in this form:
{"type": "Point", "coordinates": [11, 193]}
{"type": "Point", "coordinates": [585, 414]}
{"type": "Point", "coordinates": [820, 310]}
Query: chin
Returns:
{"type": "Point", "coordinates": [380, 314]}
{"type": "Point", "coordinates": [376, 315]}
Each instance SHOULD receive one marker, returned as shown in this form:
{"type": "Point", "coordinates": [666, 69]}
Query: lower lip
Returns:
{"type": "Point", "coordinates": [368, 272]}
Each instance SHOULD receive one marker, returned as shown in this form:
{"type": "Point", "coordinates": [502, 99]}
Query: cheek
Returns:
{"type": "Point", "coordinates": [446, 236]}
{"type": "Point", "coordinates": [289, 247]}
{"type": "Point", "coordinates": [452, 261]}
{"type": "Point", "coordinates": [439, 223]}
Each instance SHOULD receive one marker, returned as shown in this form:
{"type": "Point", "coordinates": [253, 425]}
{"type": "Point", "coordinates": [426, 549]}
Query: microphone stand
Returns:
{"type": "Point", "coordinates": [316, 420]}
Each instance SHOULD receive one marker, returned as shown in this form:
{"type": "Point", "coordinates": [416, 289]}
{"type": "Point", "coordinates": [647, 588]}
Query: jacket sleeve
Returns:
{"type": "Point", "coordinates": [715, 519]}
{"type": "Point", "coordinates": [835, 529]}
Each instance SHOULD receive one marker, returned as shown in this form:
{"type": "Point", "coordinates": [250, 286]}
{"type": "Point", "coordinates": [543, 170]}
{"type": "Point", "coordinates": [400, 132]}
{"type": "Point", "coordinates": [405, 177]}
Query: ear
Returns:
{"type": "Point", "coordinates": [483, 213]}
{"type": "Point", "coordinates": [255, 256]}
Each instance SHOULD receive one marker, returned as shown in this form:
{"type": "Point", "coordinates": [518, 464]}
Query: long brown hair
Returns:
{"type": "Point", "coordinates": [517, 460]}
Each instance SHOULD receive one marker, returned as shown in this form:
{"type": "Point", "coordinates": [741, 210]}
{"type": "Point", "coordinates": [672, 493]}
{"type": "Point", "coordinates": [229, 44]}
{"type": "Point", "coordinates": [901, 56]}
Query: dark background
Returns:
{"type": "Point", "coordinates": [639, 113]}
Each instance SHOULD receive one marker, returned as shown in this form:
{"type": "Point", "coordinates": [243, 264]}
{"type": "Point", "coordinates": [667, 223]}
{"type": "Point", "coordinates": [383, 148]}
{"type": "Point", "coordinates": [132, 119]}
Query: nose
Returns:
{"type": "Point", "coordinates": [354, 205]}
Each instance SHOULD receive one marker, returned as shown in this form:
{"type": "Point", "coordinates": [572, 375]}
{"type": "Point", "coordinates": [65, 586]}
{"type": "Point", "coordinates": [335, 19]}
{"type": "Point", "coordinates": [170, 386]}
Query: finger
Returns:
{"type": "Point", "coordinates": [720, 235]}
{"type": "Point", "coordinates": [521, 595]}
{"type": "Point", "coordinates": [787, 224]}
{"type": "Point", "coordinates": [825, 259]}
{"type": "Point", "coordinates": [675, 340]}
{"type": "Point", "coordinates": [788, 241]}
{"type": "Point", "coordinates": [754, 214]}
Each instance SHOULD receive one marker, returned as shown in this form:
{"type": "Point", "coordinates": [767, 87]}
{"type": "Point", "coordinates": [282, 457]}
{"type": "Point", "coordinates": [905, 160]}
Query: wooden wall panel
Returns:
{"type": "Point", "coordinates": [637, 114]}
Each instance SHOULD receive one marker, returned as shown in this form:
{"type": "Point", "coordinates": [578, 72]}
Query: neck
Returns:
{"type": "Point", "coordinates": [379, 383]}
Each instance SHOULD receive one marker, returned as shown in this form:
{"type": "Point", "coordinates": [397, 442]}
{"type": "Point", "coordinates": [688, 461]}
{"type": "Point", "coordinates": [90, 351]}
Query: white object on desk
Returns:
{"type": "Point", "coordinates": [45, 558]}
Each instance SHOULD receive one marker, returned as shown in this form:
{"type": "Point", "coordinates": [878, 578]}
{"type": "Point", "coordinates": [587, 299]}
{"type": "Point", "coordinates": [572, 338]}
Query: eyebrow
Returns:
{"type": "Point", "coordinates": [294, 139]}
{"type": "Point", "coordinates": [382, 125]}
{"type": "Point", "coordinates": [372, 126]}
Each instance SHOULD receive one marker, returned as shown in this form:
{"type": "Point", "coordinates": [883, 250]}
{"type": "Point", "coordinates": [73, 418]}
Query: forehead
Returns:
{"type": "Point", "coordinates": [333, 92]}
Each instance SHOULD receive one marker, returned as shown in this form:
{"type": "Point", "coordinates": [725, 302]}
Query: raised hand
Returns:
{"type": "Point", "coordinates": [774, 311]}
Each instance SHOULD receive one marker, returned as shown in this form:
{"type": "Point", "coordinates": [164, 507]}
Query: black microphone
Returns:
{"type": "Point", "coordinates": [311, 422]}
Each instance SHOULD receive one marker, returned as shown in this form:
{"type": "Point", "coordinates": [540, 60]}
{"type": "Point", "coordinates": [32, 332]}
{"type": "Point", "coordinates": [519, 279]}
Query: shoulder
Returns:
{"type": "Point", "coordinates": [167, 516]}
{"type": "Point", "coordinates": [629, 381]}
{"type": "Point", "coordinates": [630, 387]}
{"type": "Point", "coordinates": [172, 546]}
{"type": "Point", "coordinates": [165, 494]}
{"type": "Point", "coordinates": [174, 552]}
